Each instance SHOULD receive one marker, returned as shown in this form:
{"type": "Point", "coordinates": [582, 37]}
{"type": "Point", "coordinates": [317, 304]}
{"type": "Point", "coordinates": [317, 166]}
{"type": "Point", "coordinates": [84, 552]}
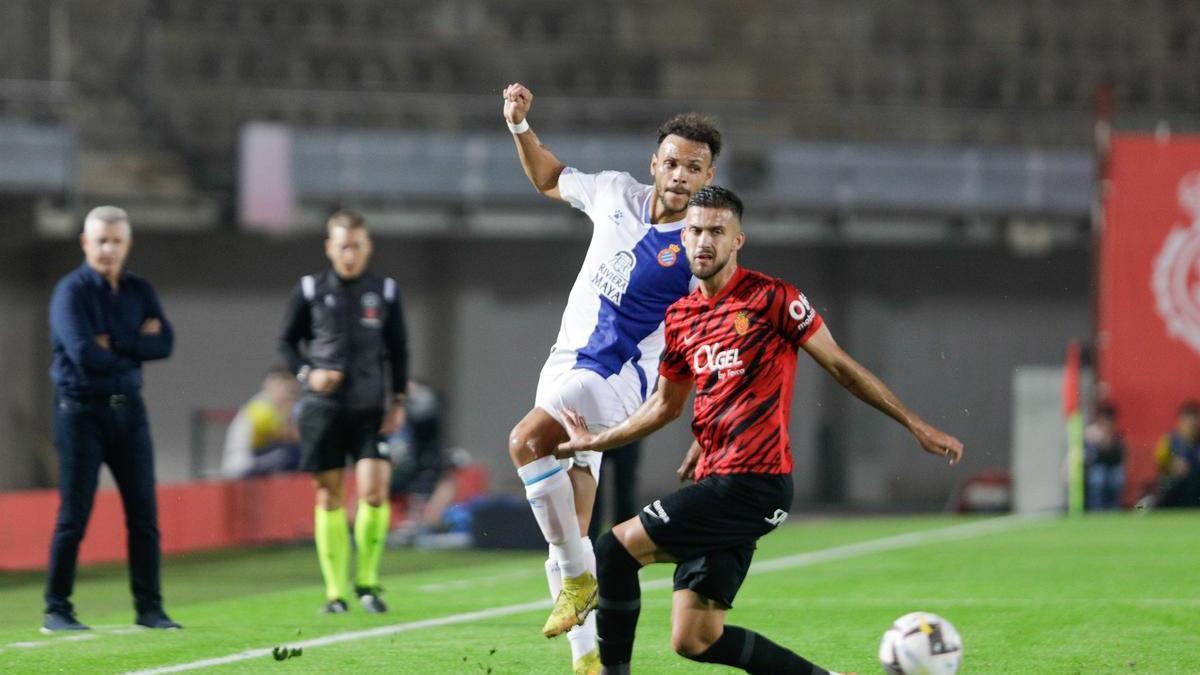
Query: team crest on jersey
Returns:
{"type": "Point", "coordinates": [370, 310]}
{"type": "Point", "coordinates": [1176, 279]}
{"type": "Point", "coordinates": [668, 255]}
{"type": "Point", "coordinates": [617, 216]}
{"type": "Point", "coordinates": [612, 276]}
{"type": "Point", "coordinates": [741, 323]}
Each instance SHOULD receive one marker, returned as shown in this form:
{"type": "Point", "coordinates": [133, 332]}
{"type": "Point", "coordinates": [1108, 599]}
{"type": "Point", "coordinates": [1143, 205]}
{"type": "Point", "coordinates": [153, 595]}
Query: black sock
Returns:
{"type": "Point", "coordinates": [620, 601]}
{"type": "Point", "coordinates": [754, 653]}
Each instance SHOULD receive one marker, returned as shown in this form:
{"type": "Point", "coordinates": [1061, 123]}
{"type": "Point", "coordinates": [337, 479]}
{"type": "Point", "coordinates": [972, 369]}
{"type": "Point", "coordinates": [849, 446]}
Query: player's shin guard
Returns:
{"type": "Point", "coordinates": [620, 601]}
{"type": "Point", "coordinates": [370, 538]}
{"type": "Point", "coordinates": [754, 653]}
{"type": "Point", "coordinates": [333, 550]}
{"type": "Point", "coordinates": [552, 499]}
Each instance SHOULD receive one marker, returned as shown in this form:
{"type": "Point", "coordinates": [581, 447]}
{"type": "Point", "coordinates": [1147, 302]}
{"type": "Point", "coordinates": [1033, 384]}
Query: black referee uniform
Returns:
{"type": "Point", "coordinates": [356, 327]}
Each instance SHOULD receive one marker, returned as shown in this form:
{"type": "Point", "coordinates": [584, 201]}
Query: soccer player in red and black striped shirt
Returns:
{"type": "Point", "coordinates": [736, 339]}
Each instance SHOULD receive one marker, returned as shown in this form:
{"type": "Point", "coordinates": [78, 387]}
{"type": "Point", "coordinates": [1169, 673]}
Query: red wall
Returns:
{"type": "Point", "coordinates": [1149, 293]}
{"type": "Point", "coordinates": [191, 517]}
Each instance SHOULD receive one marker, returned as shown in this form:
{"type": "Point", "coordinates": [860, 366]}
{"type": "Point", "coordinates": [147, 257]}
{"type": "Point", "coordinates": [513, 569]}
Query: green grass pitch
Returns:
{"type": "Point", "coordinates": [1102, 594]}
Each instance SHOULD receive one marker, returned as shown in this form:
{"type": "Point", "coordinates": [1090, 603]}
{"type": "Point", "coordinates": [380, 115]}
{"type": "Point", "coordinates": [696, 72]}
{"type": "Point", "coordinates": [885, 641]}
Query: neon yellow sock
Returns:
{"type": "Point", "coordinates": [333, 551]}
{"type": "Point", "coordinates": [370, 536]}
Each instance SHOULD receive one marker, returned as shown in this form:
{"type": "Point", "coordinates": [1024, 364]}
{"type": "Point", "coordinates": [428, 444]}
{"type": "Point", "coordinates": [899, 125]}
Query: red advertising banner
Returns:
{"type": "Point", "coordinates": [1148, 346]}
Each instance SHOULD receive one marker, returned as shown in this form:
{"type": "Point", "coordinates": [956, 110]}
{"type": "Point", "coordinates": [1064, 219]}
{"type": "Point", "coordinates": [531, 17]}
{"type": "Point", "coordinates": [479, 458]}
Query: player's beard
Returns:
{"type": "Point", "coordinates": [667, 210]}
{"type": "Point", "coordinates": [713, 270]}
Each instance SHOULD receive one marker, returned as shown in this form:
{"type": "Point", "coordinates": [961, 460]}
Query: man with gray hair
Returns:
{"type": "Point", "coordinates": [104, 322]}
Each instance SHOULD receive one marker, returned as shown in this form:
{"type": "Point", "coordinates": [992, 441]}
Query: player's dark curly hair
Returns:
{"type": "Point", "coordinates": [717, 197]}
{"type": "Point", "coordinates": [694, 127]}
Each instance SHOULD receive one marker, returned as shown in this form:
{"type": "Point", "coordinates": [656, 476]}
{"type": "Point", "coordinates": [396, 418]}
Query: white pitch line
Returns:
{"type": "Point", "coordinates": [463, 584]}
{"type": "Point", "coordinates": [905, 540]}
{"type": "Point", "coordinates": [789, 562]}
{"type": "Point", "coordinates": [354, 635]}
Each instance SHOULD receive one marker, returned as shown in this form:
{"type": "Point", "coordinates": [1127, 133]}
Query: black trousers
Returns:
{"type": "Point", "coordinates": [113, 431]}
{"type": "Point", "coordinates": [619, 470]}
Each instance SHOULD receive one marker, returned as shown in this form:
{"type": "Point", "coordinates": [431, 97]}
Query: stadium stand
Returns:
{"type": "Point", "coordinates": [1010, 73]}
{"type": "Point", "coordinates": [159, 89]}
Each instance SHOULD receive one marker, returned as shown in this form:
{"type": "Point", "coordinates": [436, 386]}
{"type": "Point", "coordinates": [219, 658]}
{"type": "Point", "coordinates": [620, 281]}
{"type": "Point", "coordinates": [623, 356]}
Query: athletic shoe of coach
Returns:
{"type": "Point", "coordinates": [156, 619]}
{"type": "Point", "coordinates": [576, 599]}
{"type": "Point", "coordinates": [370, 600]}
{"type": "Point", "coordinates": [54, 622]}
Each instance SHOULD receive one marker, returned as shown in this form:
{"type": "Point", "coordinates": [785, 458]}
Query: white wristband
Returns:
{"type": "Point", "coordinates": [519, 128]}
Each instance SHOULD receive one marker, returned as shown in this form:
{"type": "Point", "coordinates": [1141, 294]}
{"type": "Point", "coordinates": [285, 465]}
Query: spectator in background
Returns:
{"type": "Point", "coordinates": [1178, 458]}
{"type": "Point", "coordinates": [422, 468]}
{"type": "Point", "coordinates": [1104, 450]}
{"type": "Point", "coordinates": [263, 438]}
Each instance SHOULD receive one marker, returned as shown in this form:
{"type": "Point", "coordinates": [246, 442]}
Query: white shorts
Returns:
{"type": "Point", "coordinates": [563, 387]}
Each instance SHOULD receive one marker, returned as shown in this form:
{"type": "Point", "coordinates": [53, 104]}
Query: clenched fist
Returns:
{"type": "Point", "coordinates": [517, 100]}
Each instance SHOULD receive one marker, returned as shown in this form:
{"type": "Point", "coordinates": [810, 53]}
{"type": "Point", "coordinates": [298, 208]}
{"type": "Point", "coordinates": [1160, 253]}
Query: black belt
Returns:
{"type": "Point", "coordinates": [110, 400]}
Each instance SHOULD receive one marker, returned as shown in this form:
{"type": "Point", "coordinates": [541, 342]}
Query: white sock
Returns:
{"type": "Point", "coordinates": [583, 636]}
{"type": "Point", "coordinates": [553, 577]}
{"type": "Point", "coordinates": [552, 499]}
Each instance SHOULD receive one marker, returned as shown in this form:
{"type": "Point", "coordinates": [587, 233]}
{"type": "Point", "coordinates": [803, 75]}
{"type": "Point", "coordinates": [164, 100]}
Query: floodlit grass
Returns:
{"type": "Point", "coordinates": [1107, 594]}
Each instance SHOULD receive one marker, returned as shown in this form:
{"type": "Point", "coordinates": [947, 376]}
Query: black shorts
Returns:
{"type": "Point", "coordinates": [712, 527]}
{"type": "Point", "coordinates": [330, 432]}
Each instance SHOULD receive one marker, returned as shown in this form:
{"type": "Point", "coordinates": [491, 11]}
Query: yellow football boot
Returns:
{"type": "Point", "coordinates": [571, 607]}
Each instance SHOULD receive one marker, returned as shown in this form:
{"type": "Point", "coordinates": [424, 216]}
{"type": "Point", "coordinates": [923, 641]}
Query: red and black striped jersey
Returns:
{"type": "Point", "coordinates": [740, 347]}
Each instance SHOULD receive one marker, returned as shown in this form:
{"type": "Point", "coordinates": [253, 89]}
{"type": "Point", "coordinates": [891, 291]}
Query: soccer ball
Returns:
{"type": "Point", "coordinates": [920, 643]}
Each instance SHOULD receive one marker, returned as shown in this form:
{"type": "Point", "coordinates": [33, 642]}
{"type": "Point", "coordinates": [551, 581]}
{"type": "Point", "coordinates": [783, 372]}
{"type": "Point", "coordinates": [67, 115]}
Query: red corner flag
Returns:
{"type": "Point", "coordinates": [1070, 390]}
{"type": "Point", "coordinates": [1070, 401]}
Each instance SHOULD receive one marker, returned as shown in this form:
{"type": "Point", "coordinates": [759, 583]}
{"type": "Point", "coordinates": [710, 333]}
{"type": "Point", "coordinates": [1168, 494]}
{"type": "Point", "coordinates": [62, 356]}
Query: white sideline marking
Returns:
{"type": "Point", "coordinates": [905, 540]}
{"type": "Point", "coordinates": [354, 635]}
{"type": "Point", "coordinates": [789, 562]}
{"type": "Point", "coordinates": [462, 584]}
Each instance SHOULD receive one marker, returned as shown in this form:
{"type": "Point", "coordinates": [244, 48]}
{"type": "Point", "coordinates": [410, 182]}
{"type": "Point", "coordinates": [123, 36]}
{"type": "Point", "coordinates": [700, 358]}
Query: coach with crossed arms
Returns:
{"type": "Point", "coordinates": [104, 322]}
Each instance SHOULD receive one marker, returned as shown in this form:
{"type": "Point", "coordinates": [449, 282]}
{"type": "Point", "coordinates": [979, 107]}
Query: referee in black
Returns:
{"type": "Point", "coordinates": [104, 322]}
{"type": "Point", "coordinates": [344, 337]}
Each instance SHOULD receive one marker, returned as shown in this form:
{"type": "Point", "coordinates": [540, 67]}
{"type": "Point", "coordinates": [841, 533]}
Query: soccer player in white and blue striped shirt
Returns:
{"type": "Point", "coordinates": [604, 361]}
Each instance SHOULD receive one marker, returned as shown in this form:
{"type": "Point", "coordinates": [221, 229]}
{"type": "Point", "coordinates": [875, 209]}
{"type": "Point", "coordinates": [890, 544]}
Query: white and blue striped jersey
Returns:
{"type": "Point", "coordinates": [633, 271]}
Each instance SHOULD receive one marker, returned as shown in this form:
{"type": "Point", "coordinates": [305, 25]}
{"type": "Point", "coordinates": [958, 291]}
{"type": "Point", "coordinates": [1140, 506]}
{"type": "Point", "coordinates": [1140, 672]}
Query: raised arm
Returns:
{"type": "Point", "coordinates": [664, 405]}
{"type": "Point", "coordinates": [540, 165]}
{"type": "Point", "coordinates": [869, 388]}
